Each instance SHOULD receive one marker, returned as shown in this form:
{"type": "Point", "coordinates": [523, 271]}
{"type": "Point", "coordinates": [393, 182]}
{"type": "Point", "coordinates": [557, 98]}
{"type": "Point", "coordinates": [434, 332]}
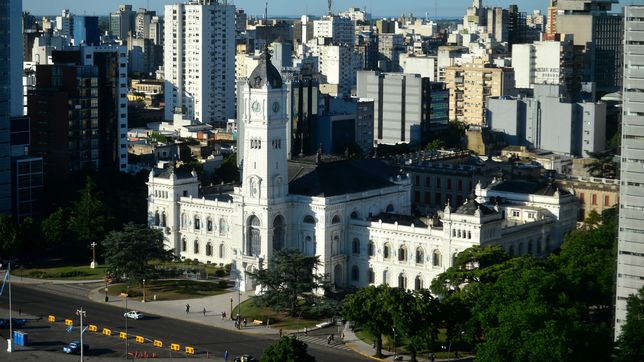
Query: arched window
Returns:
{"type": "Point", "coordinates": [197, 223]}
{"type": "Point", "coordinates": [209, 224]}
{"type": "Point", "coordinates": [196, 247]}
{"type": "Point", "coordinates": [221, 251]}
{"type": "Point", "coordinates": [163, 218]}
{"type": "Point", "coordinates": [355, 273]}
{"type": "Point", "coordinates": [436, 258]}
{"type": "Point", "coordinates": [511, 251]}
{"type": "Point", "coordinates": [390, 208]}
{"type": "Point", "coordinates": [402, 281]}
{"type": "Point", "coordinates": [308, 219]}
{"type": "Point", "coordinates": [546, 246]}
{"type": "Point", "coordinates": [157, 219]}
{"type": "Point", "coordinates": [335, 245]}
{"type": "Point", "coordinates": [371, 276]}
{"type": "Point", "coordinates": [453, 233]}
{"type": "Point", "coordinates": [418, 283]}
{"type": "Point", "coordinates": [385, 277]}
{"type": "Point", "coordinates": [420, 255]}
{"type": "Point", "coordinates": [454, 259]}
{"type": "Point", "coordinates": [402, 253]}
{"type": "Point", "coordinates": [469, 234]}
{"type": "Point", "coordinates": [335, 220]}
{"type": "Point", "coordinates": [309, 247]}
{"type": "Point", "coordinates": [385, 251]}
{"type": "Point", "coordinates": [208, 249]}
{"type": "Point", "coordinates": [530, 247]}
{"type": "Point", "coordinates": [253, 238]}
{"type": "Point", "coordinates": [520, 250]}
{"type": "Point", "coordinates": [184, 245]}
{"type": "Point", "coordinates": [355, 246]}
{"type": "Point", "coordinates": [183, 221]}
{"type": "Point", "coordinates": [371, 248]}
{"type": "Point", "coordinates": [223, 226]}
{"type": "Point", "coordinates": [278, 233]}
{"type": "Point", "coordinates": [354, 215]}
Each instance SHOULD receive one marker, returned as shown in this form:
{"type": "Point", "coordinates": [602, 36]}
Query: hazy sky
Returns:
{"type": "Point", "coordinates": [449, 8]}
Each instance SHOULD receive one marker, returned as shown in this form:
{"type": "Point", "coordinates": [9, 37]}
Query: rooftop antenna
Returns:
{"type": "Point", "coordinates": [330, 6]}
{"type": "Point", "coordinates": [266, 13]}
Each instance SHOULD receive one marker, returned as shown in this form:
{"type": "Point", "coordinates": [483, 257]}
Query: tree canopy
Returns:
{"type": "Point", "coordinates": [287, 349]}
{"type": "Point", "coordinates": [631, 341]}
{"type": "Point", "coordinates": [128, 253]}
{"type": "Point", "coordinates": [291, 278]}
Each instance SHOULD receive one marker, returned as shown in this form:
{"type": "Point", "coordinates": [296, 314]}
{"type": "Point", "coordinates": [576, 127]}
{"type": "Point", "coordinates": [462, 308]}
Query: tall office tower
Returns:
{"type": "Point", "coordinates": [517, 28]}
{"type": "Point", "coordinates": [630, 255]}
{"type": "Point", "coordinates": [156, 30]}
{"type": "Point", "coordinates": [341, 30]}
{"type": "Point", "coordinates": [86, 31]}
{"type": "Point", "coordinates": [142, 23]}
{"type": "Point", "coordinates": [65, 24]}
{"type": "Point", "coordinates": [338, 65]}
{"type": "Point", "coordinates": [240, 20]}
{"type": "Point", "coordinates": [199, 61]}
{"type": "Point", "coordinates": [600, 34]}
{"type": "Point", "coordinates": [79, 110]}
{"type": "Point", "coordinates": [122, 21]}
{"type": "Point", "coordinates": [10, 89]}
{"type": "Point", "coordinates": [497, 23]}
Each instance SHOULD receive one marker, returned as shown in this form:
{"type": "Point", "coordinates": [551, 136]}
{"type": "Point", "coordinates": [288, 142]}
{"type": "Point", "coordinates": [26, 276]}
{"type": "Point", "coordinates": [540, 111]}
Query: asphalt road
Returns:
{"type": "Point", "coordinates": [207, 341]}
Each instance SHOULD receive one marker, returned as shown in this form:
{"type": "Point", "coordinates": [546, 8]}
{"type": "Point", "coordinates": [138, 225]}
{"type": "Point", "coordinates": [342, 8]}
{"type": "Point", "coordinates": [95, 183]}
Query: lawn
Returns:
{"type": "Point", "coordinates": [54, 270]}
{"type": "Point", "coordinates": [172, 289]}
{"type": "Point", "coordinates": [252, 311]}
{"type": "Point", "coordinates": [401, 344]}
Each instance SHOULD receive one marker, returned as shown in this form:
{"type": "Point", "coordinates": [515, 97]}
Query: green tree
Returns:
{"type": "Point", "coordinates": [631, 342]}
{"type": "Point", "coordinates": [54, 227]}
{"type": "Point", "coordinates": [11, 240]}
{"type": "Point", "coordinates": [88, 218]}
{"type": "Point", "coordinates": [370, 309]}
{"type": "Point", "coordinates": [287, 349]}
{"type": "Point", "coordinates": [228, 172]}
{"type": "Point", "coordinates": [291, 279]}
{"type": "Point", "coordinates": [434, 145]}
{"type": "Point", "coordinates": [128, 253]}
{"type": "Point", "coordinates": [603, 164]}
{"type": "Point", "coordinates": [416, 317]}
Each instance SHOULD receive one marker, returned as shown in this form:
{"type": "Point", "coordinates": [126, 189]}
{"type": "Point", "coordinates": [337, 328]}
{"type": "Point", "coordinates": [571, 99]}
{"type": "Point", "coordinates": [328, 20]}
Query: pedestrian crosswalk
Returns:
{"type": "Point", "coordinates": [322, 341]}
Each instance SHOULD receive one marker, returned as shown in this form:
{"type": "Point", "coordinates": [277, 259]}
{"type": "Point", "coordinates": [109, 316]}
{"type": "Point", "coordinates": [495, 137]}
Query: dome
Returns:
{"type": "Point", "coordinates": [265, 74]}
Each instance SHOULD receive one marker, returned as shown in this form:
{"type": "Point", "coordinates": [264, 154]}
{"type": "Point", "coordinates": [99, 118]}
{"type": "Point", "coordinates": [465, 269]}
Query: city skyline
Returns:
{"type": "Point", "coordinates": [379, 8]}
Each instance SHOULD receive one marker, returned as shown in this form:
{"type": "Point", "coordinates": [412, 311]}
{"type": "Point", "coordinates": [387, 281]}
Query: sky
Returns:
{"type": "Point", "coordinates": [451, 8]}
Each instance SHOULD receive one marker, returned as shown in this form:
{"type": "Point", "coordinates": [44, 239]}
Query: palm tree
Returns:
{"type": "Point", "coordinates": [603, 164]}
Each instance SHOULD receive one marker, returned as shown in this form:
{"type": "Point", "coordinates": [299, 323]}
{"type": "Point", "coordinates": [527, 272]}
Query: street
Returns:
{"type": "Point", "coordinates": [207, 341]}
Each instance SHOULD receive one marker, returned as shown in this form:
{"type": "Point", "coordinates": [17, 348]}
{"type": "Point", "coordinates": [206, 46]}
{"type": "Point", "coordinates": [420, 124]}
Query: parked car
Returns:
{"type": "Point", "coordinates": [133, 314]}
{"type": "Point", "coordinates": [15, 323]}
{"type": "Point", "coordinates": [245, 358]}
{"type": "Point", "coordinates": [74, 347]}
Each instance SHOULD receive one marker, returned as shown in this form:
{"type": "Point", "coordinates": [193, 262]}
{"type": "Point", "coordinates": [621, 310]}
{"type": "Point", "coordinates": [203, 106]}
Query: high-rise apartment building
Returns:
{"type": "Point", "coordinates": [630, 255]}
{"type": "Point", "coordinates": [340, 29]}
{"type": "Point", "coordinates": [338, 65]}
{"type": "Point", "coordinates": [199, 61]}
{"type": "Point", "coordinates": [11, 41]}
{"type": "Point", "coordinates": [122, 22]}
{"type": "Point", "coordinates": [599, 33]}
{"type": "Point", "coordinates": [156, 30]}
{"type": "Point", "coordinates": [142, 23]}
{"type": "Point", "coordinates": [79, 110]}
{"type": "Point", "coordinates": [403, 106]}
{"type": "Point", "coordinates": [86, 31]}
{"type": "Point", "coordinates": [469, 87]}
{"type": "Point", "coordinates": [65, 24]}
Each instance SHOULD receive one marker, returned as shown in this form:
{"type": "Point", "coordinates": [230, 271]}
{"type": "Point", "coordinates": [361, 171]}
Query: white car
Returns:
{"type": "Point", "coordinates": [133, 315]}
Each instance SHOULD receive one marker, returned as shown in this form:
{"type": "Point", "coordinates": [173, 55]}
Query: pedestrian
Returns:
{"type": "Point", "coordinates": [225, 355]}
{"type": "Point", "coordinates": [306, 331]}
{"type": "Point", "coordinates": [342, 336]}
{"type": "Point", "coordinates": [432, 357]}
{"type": "Point", "coordinates": [204, 311]}
{"type": "Point", "coordinates": [223, 315]}
{"type": "Point", "coordinates": [187, 308]}
{"type": "Point", "coordinates": [328, 339]}
{"type": "Point", "coordinates": [280, 332]}
{"type": "Point", "coordinates": [245, 322]}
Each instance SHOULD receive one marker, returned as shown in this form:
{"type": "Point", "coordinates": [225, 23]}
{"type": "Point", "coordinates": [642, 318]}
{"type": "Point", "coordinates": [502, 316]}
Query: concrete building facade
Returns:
{"type": "Point", "coordinates": [630, 248]}
{"type": "Point", "coordinates": [470, 85]}
{"type": "Point", "coordinates": [546, 62]}
{"type": "Point", "coordinates": [199, 61]}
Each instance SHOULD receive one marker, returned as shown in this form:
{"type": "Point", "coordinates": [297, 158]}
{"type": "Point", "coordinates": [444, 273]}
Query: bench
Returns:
{"type": "Point", "coordinates": [258, 322]}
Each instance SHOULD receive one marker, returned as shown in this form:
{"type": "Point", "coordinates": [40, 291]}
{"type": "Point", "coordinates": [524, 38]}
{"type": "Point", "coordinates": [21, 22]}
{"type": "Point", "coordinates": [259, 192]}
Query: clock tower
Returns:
{"type": "Point", "coordinates": [265, 167]}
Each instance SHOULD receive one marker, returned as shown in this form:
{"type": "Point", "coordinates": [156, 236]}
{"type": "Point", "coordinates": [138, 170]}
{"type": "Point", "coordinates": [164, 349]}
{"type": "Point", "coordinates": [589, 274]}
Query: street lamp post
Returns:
{"type": "Point", "coordinates": [394, 329]}
{"type": "Point", "coordinates": [81, 313]}
{"type": "Point", "coordinates": [93, 264]}
{"type": "Point", "coordinates": [231, 307]}
{"type": "Point", "coordinates": [106, 298]}
{"type": "Point", "coordinates": [143, 301]}
{"type": "Point", "coordinates": [127, 291]}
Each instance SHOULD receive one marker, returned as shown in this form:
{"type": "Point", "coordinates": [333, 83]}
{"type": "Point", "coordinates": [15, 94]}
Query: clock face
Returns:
{"type": "Point", "coordinates": [276, 107]}
{"type": "Point", "coordinates": [256, 107]}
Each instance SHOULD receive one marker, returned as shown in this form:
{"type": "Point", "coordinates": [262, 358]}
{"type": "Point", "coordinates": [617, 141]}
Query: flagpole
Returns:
{"type": "Point", "coordinates": [10, 341]}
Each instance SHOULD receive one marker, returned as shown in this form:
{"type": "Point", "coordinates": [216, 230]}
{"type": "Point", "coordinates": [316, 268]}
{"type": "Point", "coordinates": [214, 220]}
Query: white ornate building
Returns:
{"type": "Point", "coordinates": [353, 214]}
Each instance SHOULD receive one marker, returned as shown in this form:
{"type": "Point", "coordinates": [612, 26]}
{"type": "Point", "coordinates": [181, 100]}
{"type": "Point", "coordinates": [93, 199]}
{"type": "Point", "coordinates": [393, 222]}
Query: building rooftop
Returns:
{"type": "Point", "coordinates": [404, 220]}
{"type": "Point", "coordinates": [328, 179]}
{"type": "Point", "coordinates": [471, 206]}
{"type": "Point", "coordinates": [526, 187]}
{"type": "Point", "coordinates": [180, 173]}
